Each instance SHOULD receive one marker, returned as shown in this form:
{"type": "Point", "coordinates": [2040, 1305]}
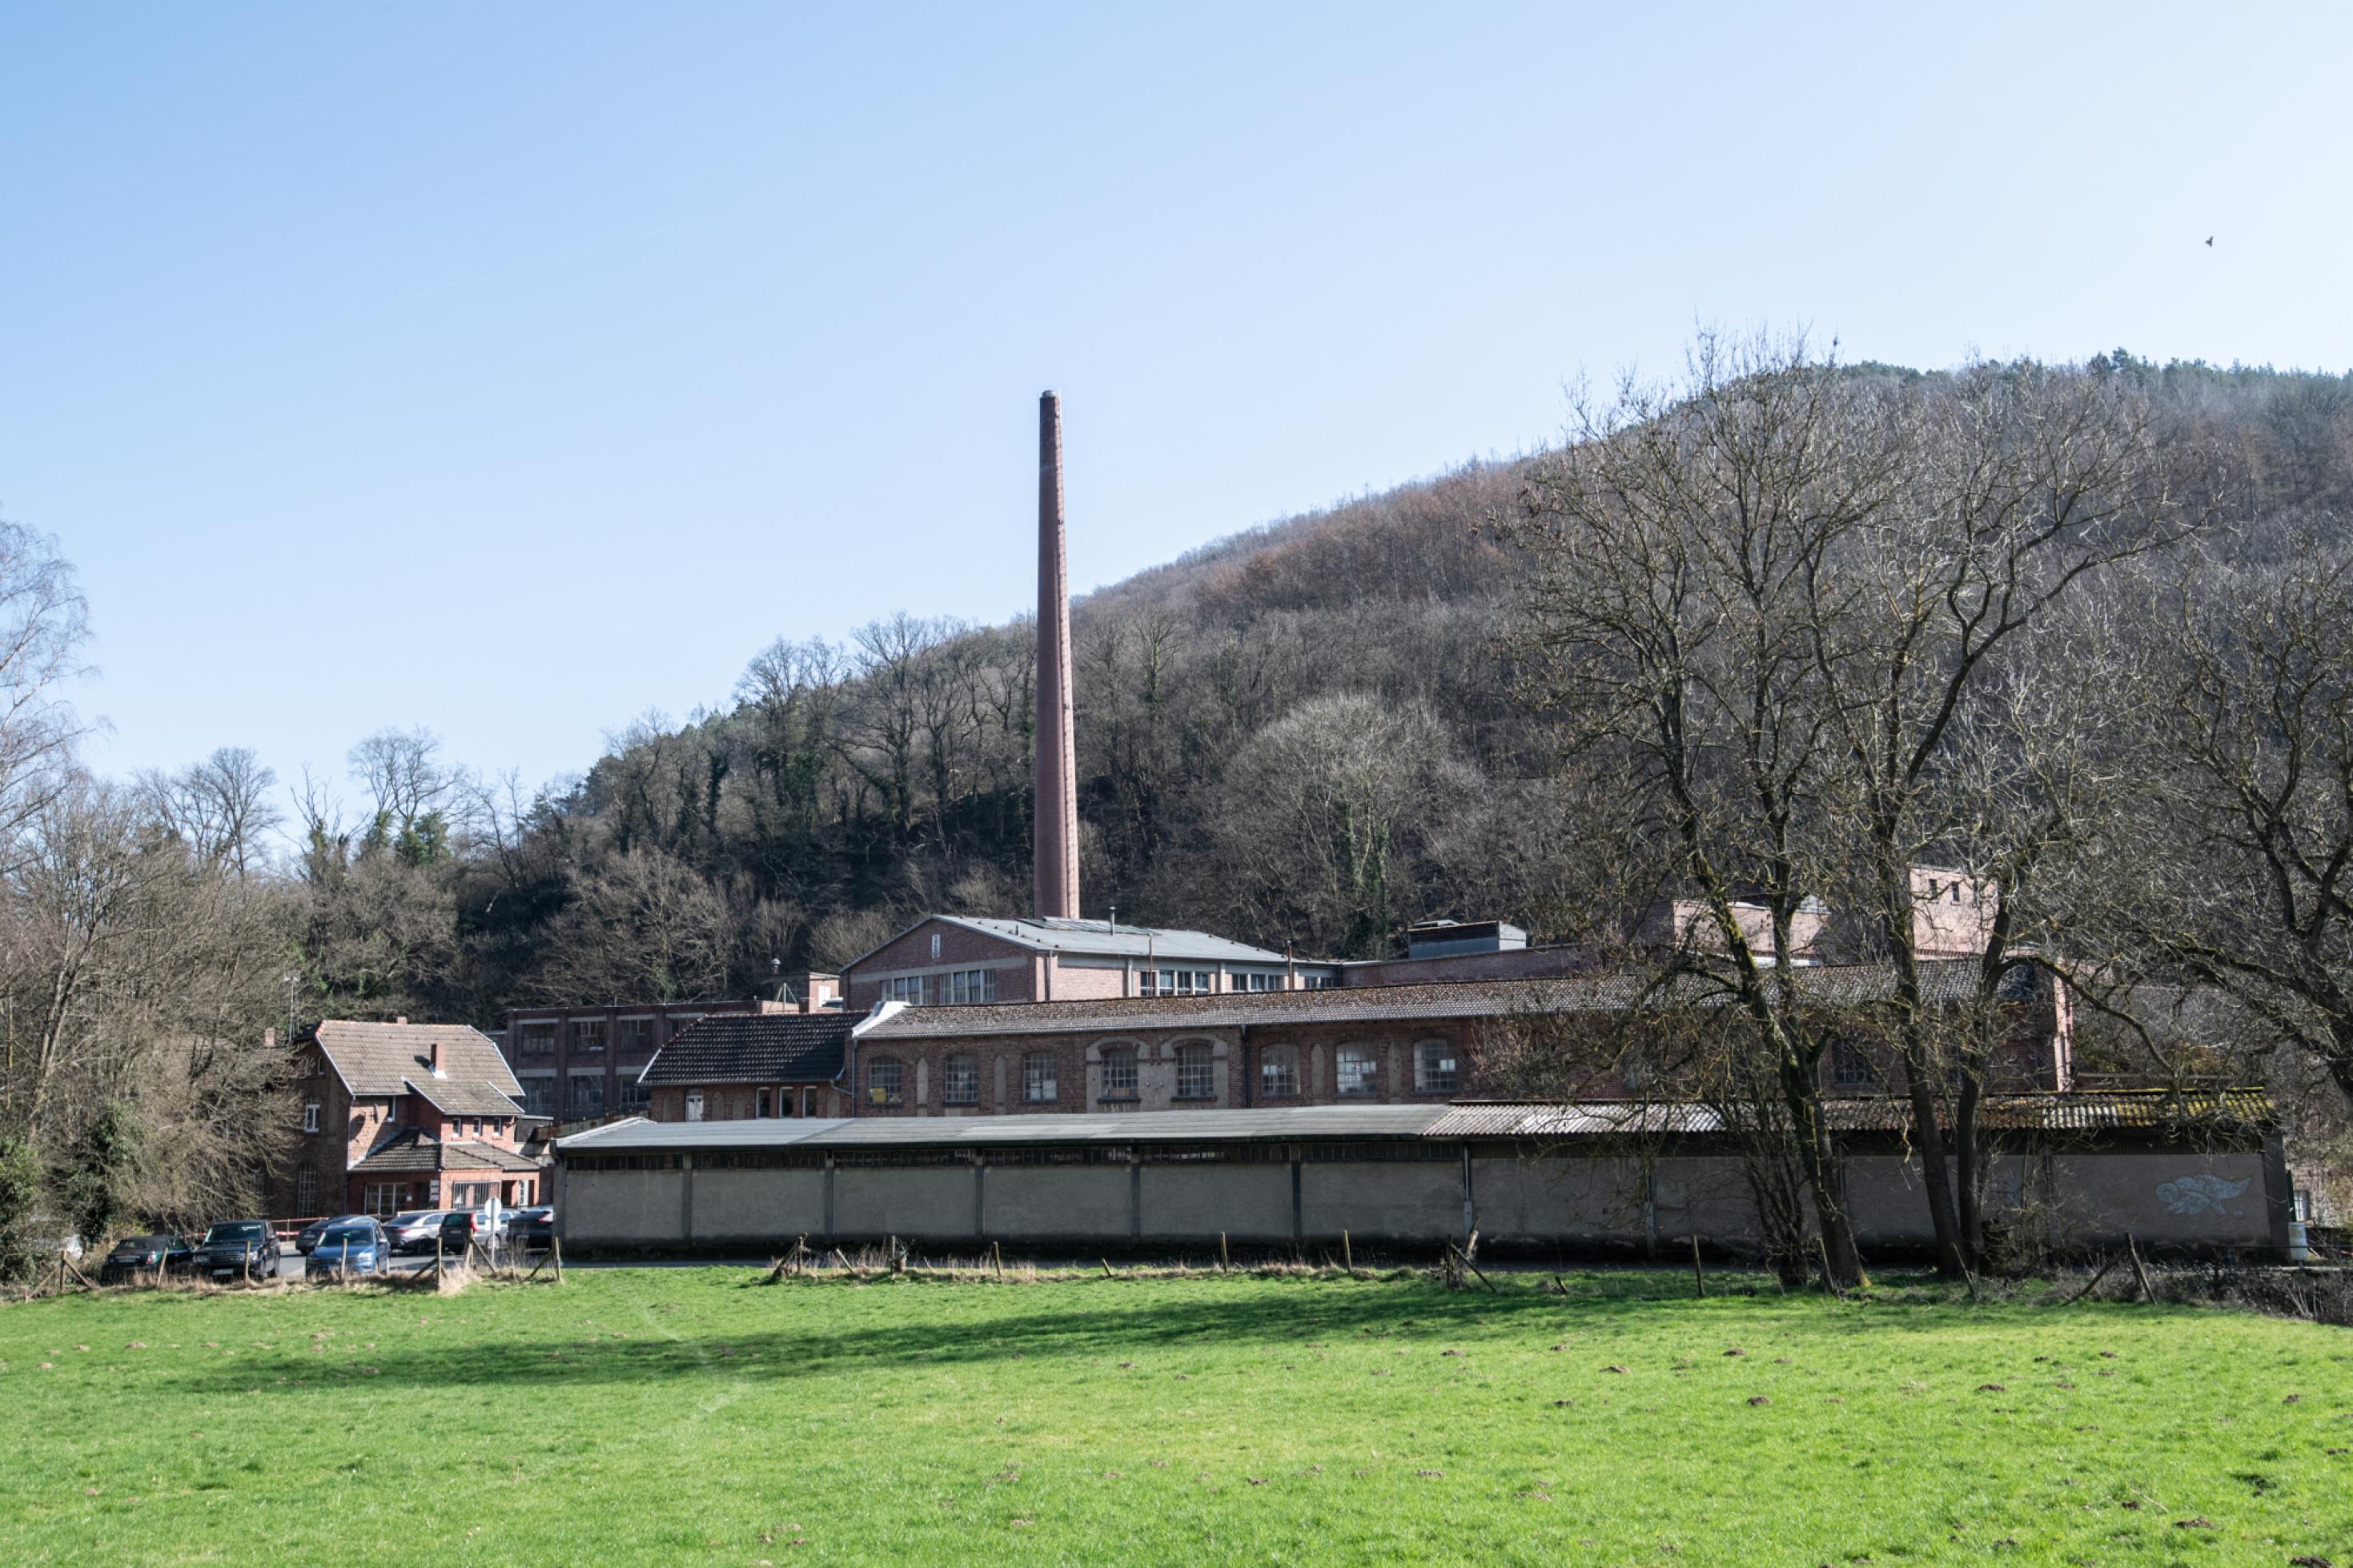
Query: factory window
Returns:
{"type": "Point", "coordinates": [1359, 1073]}
{"type": "Point", "coordinates": [539, 1039]}
{"type": "Point", "coordinates": [907, 988]}
{"type": "Point", "coordinates": [306, 1190]}
{"type": "Point", "coordinates": [1259, 980]}
{"type": "Point", "coordinates": [538, 1095]}
{"type": "Point", "coordinates": [1278, 1072]}
{"type": "Point", "coordinates": [1433, 1068]}
{"type": "Point", "coordinates": [1317, 983]}
{"type": "Point", "coordinates": [882, 1079]}
{"type": "Point", "coordinates": [309, 1116]}
{"type": "Point", "coordinates": [587, 1097]}
{"type": "Point", "coordinates": [761, 1108]}
{"type": "Point", "coordinates": [587, 1037]}
{"type": "Point", "coordinates": [635, 1035]}
{"type": "Point", "coordinates": [1178, 982]}
{"type": "Point", "coordinates": [634, 1096]}
{"type": "Point", "coordinates": [960, 1081]}
{"type": "Point", "coordinates": [1037, 1076]}
{"type": "Point", "coordinates": [1849, 1069]}
{"type": "Point", "coordinates": [1119, 1073]}
{"type": "Point", "coordinates": [1196, 1074]}
{"type": "Point", "coordinates": [972, 986]}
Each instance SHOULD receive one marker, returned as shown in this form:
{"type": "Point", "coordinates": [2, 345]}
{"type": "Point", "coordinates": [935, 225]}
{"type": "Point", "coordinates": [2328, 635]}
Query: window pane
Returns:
{"type": "Point", "coordinates": [1279, 1071]}
{"type": "Point", "coordinates": [883, 1081]}
{"type": "Point", "coordinates": [1434, 1068]}
{"type": "Point", "coordinates": [1356, 1072]}
{"type": "Point", "coordinates": [1119, 1075]}
{"type": "Point", "coordinates": [1195, 1074]}
{"type": "Point", "coordinates": [961, 1081]}
{"type": "Point", "coordinates": [1037, 1076]}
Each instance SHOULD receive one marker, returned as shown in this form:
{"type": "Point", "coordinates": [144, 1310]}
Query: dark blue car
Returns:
{"type": "Point", "coordinates": [353, 1250]}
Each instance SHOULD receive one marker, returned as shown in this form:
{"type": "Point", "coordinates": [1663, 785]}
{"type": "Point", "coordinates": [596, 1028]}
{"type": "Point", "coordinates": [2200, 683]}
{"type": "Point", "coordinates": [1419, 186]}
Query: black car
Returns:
{"type": "Point", "coordinates": [236, 1248]}
{"type": "Point", "coordinates": [531, 1230]}
{"type": "Point", "coordinates": [135, 1255]}
{"type": "Point", "coordinates": [460, 1228]}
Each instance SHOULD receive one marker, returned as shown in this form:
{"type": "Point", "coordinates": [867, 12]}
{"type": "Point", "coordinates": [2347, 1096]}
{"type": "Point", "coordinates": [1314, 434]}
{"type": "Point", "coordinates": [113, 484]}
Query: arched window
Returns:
{"type": "Point", "coordinates": [1433, 1068]}
{"type": "Point", "coordinates": [1360, 1070]}
{"type": "Point", "coordinates": [1278, 1072]}
{"type": "Point", "coordinates": [960, 1081]}
{"type": "Point", "coordinates": [884, 1077]}
{"type": "Point", "coordinates": [1119, 1072]}
{"type": "Point", "coordinates": [1196, 1071]}
{"type": "Point", "coordinates": [1038, 1076]}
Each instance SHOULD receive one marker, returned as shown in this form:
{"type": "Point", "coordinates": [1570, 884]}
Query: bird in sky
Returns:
{"type": "Point", "coordinates": [2210, 242]}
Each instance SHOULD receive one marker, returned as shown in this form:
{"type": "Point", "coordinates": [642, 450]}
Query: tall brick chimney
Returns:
{"type": "Point", "coordinates": [1054, 836]}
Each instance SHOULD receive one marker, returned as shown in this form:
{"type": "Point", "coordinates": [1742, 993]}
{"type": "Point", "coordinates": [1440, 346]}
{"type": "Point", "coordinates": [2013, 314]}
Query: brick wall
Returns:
{"type": "Point", "coordinates": [960, 947]}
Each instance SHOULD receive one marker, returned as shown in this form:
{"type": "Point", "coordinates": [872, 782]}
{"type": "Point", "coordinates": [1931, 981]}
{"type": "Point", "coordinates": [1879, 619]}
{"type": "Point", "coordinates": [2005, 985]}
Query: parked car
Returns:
{"type": "Point", "coordinates": [461, 1227]}
{"type": "Point", "coordinates": [133, 1255]}
{"type": "Point", "coordinates": [235, 1248]}
{"type": "Point", "coordinates": [308, 1236]}
{"type": "Point", "coordinates": [533, 1229]}
{"type": "Point", "coordinates": [356, 1247]}
{"type": "Point", "coordinates": [508, 1219]}
{"type": "Point", "coordinates": [413, 1230]}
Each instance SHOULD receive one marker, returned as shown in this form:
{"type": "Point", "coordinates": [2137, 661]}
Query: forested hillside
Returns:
{"type": "Point", "coordinates": [1306, 734]}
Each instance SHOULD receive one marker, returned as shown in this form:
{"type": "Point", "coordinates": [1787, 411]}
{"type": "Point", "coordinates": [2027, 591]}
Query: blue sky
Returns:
{"type": "Point", "coordinates": [513, 370]}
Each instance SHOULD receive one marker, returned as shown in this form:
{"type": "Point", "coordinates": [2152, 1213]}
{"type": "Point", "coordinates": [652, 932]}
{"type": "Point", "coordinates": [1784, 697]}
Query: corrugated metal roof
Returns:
{"type": "Point", "coordinates": [1306, 1121]}
{"type": "Point", "coordinates": [2122, 1110]}
{"type": "Point", "coordinates": [1098, 939]}
{"type": "Point", "coordinates": [1823, 985]}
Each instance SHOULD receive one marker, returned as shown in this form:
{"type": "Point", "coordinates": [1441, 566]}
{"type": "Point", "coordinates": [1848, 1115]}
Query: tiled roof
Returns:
{"type": "Point", "coordinates": [1100, 939]}
{"type": "Point", "coordinates": [771, 1048]}
{"type": "Point", "coordinates": [1825, 984]}
{"type": "Point", "coordinates": [392, 1060]}
{"type": "Point", "coordinates": [416, 1150]}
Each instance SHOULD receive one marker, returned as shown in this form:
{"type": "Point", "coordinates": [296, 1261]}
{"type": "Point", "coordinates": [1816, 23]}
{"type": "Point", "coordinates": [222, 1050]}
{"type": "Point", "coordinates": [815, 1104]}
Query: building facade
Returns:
{"type": "Point", "coordinates": [581, 1065]}
{"type": "Point", "coordinates": [404, 1116]}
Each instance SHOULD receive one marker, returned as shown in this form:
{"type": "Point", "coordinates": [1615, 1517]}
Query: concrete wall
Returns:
{"type": "Point", "coordinates": [756, 1206]}
{"type": "Point", "coordinates": [934, 1203]}
{"type": "Point", "coordinates": [2188, 1200]}
{"type": "Point", "coordinates": [1245, 1202]}
{"type": "Point", "coordinates": [1081, 1202]}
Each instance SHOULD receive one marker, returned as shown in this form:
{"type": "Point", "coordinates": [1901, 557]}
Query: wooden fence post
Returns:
{"type": "Point", "coordinates": [1348, 1255]}
{"type": "Point", "coordinates": [2138, 1272]}
{"type": "Point", "coordinates": [1699, 1275]}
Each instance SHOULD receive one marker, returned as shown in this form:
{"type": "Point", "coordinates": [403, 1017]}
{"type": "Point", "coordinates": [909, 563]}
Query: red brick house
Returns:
{"type": "Point", "coordinates": [402, 1116]}
{"type": "Point", "coordinates": [958, 960]}
{"type": "Point", "coordinates": [752, 1067]}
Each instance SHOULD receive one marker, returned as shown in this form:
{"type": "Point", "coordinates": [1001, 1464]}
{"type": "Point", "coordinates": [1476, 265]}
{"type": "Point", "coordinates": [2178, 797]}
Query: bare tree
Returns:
{"type": "Point", "coordinates": [222, 807]}
{"type": "Point", "coordinates": [44, 624]}
{"type": "Point", "coordinates": [405, 777]}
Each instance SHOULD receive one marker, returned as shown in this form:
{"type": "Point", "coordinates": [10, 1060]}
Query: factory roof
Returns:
{"type": "Point", "coordinates": [1099, 939]}
{"type": "Point", "coordinates": [757, 1047]}
{"type": "Point", "coordinates": [2105, 1112]}
{"type": "Point", "coordinates": [1822, 984]}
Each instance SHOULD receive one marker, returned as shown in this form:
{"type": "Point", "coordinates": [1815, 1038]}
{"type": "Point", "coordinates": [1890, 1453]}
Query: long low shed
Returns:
{"type": "Point", "coordinates": [1591, 1179]}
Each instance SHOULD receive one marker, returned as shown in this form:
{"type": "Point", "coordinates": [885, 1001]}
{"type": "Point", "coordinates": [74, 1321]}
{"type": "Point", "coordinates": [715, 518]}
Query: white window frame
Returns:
{"type": "Point", "coordinates": [593, 1044]}
{"type": "Point", "coordinates": [1425, 1076]}
{"type": "Point", "coordinates": [1367, 1063]}
{"type": "Point", "coordinates": [896, 1091]}
{"type": "Point", "coordinates": [309, 1116]}
{"type": "Point", "coordinates": [970, 987]}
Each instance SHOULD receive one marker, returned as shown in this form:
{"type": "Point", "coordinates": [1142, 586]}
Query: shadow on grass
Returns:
{"type": "Point", "coordinates": [1058, 1322]}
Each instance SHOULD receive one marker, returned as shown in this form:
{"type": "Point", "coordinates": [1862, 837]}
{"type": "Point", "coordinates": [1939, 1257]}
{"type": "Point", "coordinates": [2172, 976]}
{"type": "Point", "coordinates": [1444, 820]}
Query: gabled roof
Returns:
{"type": "Point", "coordinates": [1097, 939]}
{"type": "Point", "coordinates": [416, 1150]}
{"type": "Point", "coordinates": [768, 1047]}
{"type": "Point", "coordinates": [387, 1060]}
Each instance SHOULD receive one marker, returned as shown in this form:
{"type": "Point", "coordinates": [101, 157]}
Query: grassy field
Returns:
{"type": "Point", "coordinates": [688, 1415]}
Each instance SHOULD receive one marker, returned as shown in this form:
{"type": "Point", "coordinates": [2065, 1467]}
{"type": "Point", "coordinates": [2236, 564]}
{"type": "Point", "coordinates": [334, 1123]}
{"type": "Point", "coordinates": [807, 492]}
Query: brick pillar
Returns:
{"type": "Point", "coordinates": [1054, 836]}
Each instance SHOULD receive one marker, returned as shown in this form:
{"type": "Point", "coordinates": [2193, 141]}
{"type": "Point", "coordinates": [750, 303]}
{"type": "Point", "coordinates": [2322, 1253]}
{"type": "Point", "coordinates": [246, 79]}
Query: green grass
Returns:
{"type": "Point", "coordinates": [685, 1415]}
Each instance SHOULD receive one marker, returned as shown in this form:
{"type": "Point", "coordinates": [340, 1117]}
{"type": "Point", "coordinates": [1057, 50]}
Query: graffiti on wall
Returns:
{"type": "Point", "coordinates": [2198, 1194]}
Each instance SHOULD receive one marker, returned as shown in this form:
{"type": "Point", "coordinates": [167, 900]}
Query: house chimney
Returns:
{"type": "Point", "coordinates": [1054, 855]}
{"type": "Point", "coordinates": [436, 1049]}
